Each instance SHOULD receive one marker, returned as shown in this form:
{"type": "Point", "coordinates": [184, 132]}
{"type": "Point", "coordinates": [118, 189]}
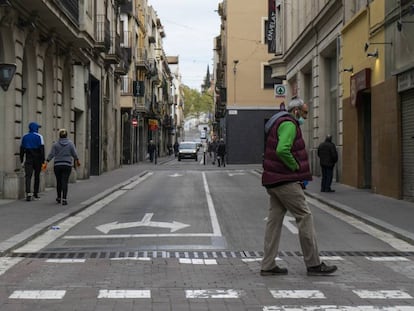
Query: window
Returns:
{"type": "Point", "coordinates": [268, 81]}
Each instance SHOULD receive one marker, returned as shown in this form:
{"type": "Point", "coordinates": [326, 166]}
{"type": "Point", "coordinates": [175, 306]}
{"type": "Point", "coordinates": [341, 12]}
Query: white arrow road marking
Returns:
{"type": "Point", "coordinates": [145, 222]}
{"type": "Point", "coordinates": [287, 223]}
{"type": "Point", "coordinates": [236, 174]}
{"type": "Point", "coordinates": [175, 175]}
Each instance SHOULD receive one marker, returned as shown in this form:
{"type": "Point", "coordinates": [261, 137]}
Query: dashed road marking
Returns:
{"type": "Point", "coordinates": [38, 294]}
{"type": "Point", "coordinates": [65, 260]}
{"type": "Point", "coordinates": [296, 294]}
{"type": "Point", "coordinates": [382, 294]}
{"type": "Point", "coordinates": [124, 293]}
{"type": "Point", "coordinates": [213, 293]}
{"type": "Point", "coordinates": [7, 262]}
{"type": "Point", "coordinates": [198, 261]}
{"type": "Point", "coordinates": [338, 308]}
{"type": "Point", "coordinates": [387, 258]}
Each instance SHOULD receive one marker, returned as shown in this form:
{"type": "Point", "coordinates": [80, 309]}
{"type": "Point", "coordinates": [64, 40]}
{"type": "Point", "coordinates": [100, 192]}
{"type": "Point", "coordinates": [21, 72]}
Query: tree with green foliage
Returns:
{"type": "Point", "coordinates": [196, 103]}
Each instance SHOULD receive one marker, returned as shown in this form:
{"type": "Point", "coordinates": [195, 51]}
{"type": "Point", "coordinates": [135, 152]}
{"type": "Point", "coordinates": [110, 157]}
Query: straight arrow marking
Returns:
{"type": "Point", "coordinates": [145, 222]}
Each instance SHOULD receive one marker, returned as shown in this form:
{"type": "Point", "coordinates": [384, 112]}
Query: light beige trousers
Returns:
{"type": "Point", "coordinates": [289, 197]}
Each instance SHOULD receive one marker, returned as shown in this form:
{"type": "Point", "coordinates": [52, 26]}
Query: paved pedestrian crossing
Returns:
{"type": "Point", "coordinates": [277, 290]}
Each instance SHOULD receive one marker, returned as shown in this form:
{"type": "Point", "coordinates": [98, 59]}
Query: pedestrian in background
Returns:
{"type": "Point", "coordinates": [328, 156]}
{"type": "Point", "coordinates": [285, 167]}
{"type": "Point", "coordinates": [176, 147]}
{"type": "Point", "coordinates": [151, 150]}
{"type": "Point", "coordinates": [213, 147]}
{"type": "Point", "coordinates": [63, 151]}
{"type": "Point", "coordinates": [221, 153]}
{"type": "Point", "coordinates": [32, 152]}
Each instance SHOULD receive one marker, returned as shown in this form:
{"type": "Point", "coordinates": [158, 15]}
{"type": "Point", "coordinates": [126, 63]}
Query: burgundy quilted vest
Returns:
{"type": "Point", "coordinates": [274, 170]}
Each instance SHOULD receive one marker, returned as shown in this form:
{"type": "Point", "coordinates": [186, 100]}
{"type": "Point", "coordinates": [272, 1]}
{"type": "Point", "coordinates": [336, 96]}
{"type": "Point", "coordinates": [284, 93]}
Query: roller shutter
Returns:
{"type": "Point", "coordinates": [407, 109]}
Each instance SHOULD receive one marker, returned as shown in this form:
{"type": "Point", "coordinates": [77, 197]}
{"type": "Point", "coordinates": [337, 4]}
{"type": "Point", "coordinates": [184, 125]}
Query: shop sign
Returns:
{"type": "Point", "coordinates": [406, 81]}
{"type": "Point", "coordinates": [359, 81]}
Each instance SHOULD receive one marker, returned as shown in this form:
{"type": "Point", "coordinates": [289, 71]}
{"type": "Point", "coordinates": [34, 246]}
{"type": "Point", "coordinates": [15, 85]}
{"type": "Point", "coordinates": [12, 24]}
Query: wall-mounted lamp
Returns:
{"type": "Point", "coordinates": [367, 44]}
{"type": "Point", "coordinates": [235, 62]}
{"type": "Point", "coordinates": [373, 54]}
{"type": "Point", "coordinates": [350, 69]}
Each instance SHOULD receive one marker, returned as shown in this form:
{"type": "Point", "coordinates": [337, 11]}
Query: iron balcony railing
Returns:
{"type": "Point", "coordinates": [102, 33]}
{"type": "Point", "coordinates": [71, 9]}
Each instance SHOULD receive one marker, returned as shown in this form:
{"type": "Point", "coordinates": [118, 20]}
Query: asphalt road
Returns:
{"type": "Point", "coordinates": [214, 219]}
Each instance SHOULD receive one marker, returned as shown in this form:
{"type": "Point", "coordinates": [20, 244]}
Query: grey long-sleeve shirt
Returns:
{"type": "Point", "coordinates": [63, 151]}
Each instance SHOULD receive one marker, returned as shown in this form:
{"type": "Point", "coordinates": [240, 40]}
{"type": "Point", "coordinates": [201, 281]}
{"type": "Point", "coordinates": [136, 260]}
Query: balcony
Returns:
{"type": "Point", "coordinates": [115, 53]}
{"type": "Point", "coordinates": [141, 59]}
{"type": "Point", "coordinates": [102, 33]}
{"type": "Point", "coordinates": [126, 45]}
{"type": "Point", "coordinates": [126, 86]}
{"type": "Point", "coordinates": [125, 6]}
{"type": "Point", "coordinates": [122, 67]}
{"type": "Point", "coordinates": [71, 9]}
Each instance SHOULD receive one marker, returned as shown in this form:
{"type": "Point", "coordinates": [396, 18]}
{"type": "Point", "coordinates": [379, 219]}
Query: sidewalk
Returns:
{"type": "Point", "coordinates": [385, 213]}
{"type": "Point", "coordinates": [21, 221]}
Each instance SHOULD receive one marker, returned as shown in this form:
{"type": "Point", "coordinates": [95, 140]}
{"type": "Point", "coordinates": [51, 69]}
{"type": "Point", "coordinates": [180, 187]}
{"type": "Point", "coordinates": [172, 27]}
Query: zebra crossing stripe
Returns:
{"type": "Point", "coordinates": [213, 293]}
{"type": "Point", "coordinates": [387, 258]}
{"type": "Point", "coordinates": [66, 260]}
{"type": "Point", "coordinates": [382, 294]}
{"type": "Point", "coordinates": [338, 308]}
{"type": "Point", "coordinates": [309, 294]}
{"type": "Point", "coordinates": [198, 261]}
{"type": "Point", "coordinates": [38, 294]}
{"type": "Point", "coordinates": [124, 293]}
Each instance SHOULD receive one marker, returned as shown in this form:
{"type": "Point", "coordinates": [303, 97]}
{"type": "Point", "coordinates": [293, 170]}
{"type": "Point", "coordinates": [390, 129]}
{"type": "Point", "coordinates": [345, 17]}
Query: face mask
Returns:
{"type": "Point", "coordinates": [301, 120]}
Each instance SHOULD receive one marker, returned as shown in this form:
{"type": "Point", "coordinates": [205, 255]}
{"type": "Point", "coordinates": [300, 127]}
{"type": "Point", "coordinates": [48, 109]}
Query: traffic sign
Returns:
{"type": "Point", "coordinates": [134, 122]}
{"type": "Point", "coordinates": [280, 90]}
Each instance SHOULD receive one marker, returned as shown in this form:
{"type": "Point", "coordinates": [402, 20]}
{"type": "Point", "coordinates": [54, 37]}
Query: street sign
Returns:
{"type": "Point", "coordinates": [134, 122]}
{"type": "Point", "coordinates": [280, 90]}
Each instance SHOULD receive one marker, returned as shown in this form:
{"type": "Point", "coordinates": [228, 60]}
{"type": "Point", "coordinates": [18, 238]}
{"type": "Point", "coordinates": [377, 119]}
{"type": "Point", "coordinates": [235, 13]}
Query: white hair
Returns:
{"type": "Point", "coordinates": [295, 103]}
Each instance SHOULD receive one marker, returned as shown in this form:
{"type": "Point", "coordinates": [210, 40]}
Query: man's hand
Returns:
{"type": "Point", "coordinates": [44, 166]}
{"type": "Point", "coordinates": [77, 163]}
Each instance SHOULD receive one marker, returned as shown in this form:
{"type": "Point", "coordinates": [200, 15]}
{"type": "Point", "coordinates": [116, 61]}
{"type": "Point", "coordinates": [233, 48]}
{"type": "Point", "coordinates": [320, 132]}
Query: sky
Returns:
{"type": "Point", "coordinates": [190, 27]}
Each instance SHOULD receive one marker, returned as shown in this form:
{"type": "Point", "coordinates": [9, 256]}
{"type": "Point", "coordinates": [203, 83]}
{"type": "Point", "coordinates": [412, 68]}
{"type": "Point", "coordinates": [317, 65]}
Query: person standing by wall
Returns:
{"type": "Point", "coordinates": [32, 152]}
{"type": "Point", "coordinates": [285, 167]}
{"type": "Point", "coordinates": [221, 153]}
{"type": "Point", "coordinates": [328, 157]}
{"type": "Point", "coordinates": [63, 151]}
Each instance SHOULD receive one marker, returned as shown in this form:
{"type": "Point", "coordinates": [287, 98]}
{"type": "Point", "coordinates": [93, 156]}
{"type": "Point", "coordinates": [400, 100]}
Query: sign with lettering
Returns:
{"type": "Point", "coordinates": [271, 27]}
{"type": "Point", "coordinates": [359, 82]}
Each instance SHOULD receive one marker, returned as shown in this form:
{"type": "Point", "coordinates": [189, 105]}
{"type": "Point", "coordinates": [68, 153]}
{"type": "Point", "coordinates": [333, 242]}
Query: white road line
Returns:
{"type": "Point", "coordinates": [309, 294]}
{"type": "Point", "coordinates": [213, 215]}
{"type": "Point", "coordinates": [124, 293]}
{"type": "Point", "coordinates": [331, 258]}
{"type": "Point", "coordinates": [258, 259]}
{"type": "Point", "coordinates": [383, 236]}
{"type": "Point", "coordinates": [38, 294]}
{"type": "Point", "coordinates": [382, 294]}
{"type": "Point", "coordinates": [65, 260]}
{"type": "Point", "coordinates": [50, 236]}
{"type": "Point", "coordinates": [127, 236]}
{"type": "Point", "coordinates": [213, 293]}
{"type": "Point", "coordinates": [132, 258]}
{"type": "Point", "coordinates": [338, 308]}
{"type": "Point", "coordinates": [7, 262]}
{"type": "Point", "coordinates": [387, 258]}
{"type": "Point", "coordinates": [198, 261]}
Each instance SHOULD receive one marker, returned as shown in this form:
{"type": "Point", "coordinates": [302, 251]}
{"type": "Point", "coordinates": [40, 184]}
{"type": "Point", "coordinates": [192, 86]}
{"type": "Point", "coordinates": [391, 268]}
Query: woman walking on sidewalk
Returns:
{"type": "Point", "coordinates": [63, 151]}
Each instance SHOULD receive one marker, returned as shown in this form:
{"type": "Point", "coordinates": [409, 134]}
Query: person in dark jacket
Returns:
{"type": "Point", "coordinates": [151, 150]}
{"type": "Point", "coordinates": [221, 153]}
{"type": "Point", "coordinates": [285, 167]}
{"type": "Point", "coordinates": [63, 151]}
{"type": "Point", "coordinates": [328, 157]}
{"type": "Point", "coordinates": [32, 152]}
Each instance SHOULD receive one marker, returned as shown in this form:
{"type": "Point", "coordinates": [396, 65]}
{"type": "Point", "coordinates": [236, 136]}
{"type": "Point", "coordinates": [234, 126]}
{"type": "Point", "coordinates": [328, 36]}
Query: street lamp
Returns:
{"type": "Point", "coordinates": [6, 75]}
